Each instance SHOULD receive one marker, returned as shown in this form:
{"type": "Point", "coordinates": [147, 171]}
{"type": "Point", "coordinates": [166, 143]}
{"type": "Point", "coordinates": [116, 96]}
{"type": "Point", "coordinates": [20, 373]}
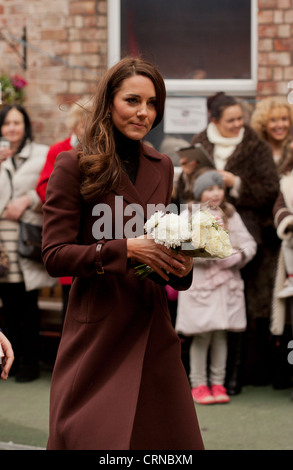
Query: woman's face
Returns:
{"type": "Point", "coordinates": [134, 107]}
{"type": "Point", "coordinates": [230, 122]}
{"type": "Point", "coordinates": [278, 124]}
{"type": "Point", "coordinates": [13, 128]}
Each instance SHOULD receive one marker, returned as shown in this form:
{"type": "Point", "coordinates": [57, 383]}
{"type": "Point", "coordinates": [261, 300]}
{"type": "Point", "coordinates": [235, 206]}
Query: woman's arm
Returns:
{"type": "Point", "coordinates": [17, 207]}
{"type": "Point", "coordinates": [63, 253]}
{"type": "Point", "coordinates": [283, 218]}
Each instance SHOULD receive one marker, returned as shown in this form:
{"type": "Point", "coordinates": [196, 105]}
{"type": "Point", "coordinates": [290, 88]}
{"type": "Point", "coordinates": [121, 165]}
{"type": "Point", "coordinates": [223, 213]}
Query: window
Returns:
{"type": "Point", "coordinates": [200, 46]}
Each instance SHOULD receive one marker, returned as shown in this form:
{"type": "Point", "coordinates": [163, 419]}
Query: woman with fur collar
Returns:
{"type": "Point", "coordinates": [283, 218]}
{"type": "Point", "coordinates": [246, 164]}
{"type": "Point", "coordinates": [282, 313]}
{"type": "Point", "coordinates": [283, 211]}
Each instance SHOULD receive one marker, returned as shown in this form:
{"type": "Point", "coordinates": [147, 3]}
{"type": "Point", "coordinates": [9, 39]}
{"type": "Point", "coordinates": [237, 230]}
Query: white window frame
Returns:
{"type": "Point", "coordinates": [239, 87]}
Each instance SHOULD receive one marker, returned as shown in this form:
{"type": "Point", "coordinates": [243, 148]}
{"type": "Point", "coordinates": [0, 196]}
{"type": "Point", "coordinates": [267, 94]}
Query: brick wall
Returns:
{"type": "Point", "coordinates": [275, 46]}
{"type": "Point", "coordinates": [75, 32]}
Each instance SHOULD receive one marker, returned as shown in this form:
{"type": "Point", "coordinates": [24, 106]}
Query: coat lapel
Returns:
{"type": "Point", "coordinates": [148, 176]}
{"type": "Point", "coordinates": [147, 180]}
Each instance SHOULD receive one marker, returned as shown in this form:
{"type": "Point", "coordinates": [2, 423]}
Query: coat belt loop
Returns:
{"type": "Point", "coordinates": [99, 265]}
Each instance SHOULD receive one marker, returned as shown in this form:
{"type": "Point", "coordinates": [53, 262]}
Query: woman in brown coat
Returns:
{"type": "Point", "coordinates": [118, 381]}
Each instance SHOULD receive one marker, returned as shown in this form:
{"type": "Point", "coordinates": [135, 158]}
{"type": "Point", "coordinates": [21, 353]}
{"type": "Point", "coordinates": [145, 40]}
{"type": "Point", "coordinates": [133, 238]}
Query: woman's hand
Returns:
{"type": "Point", "coordinates": [228, 177]}
{"type": "Point", "coordinates": [16, 208]}
{"type": "Point", "coordinates": [8, 358]}
{"type": "Point", "coordinates": [161, 259]}
{"type": "Point", "coordinates": [5, 153]}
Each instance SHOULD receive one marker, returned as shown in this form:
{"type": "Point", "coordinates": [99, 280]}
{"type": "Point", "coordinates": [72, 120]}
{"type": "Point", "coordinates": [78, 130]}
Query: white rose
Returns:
{"type": "Point", "coordinates": [227, 251]}
{"type": "Point", "coordinates": [203, 218]}
{"type": "Point", "coordinates": [214, 246]}
{"type": "Point", "coordinates": [227, 247]}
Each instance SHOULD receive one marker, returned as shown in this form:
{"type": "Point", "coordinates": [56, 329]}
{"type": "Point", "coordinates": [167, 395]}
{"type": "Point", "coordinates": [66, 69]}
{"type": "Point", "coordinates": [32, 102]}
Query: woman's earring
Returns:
{"type": "Point", "coordinates": [109, 115]}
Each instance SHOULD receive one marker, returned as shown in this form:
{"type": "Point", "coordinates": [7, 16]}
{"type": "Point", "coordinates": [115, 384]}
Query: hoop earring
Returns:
{"type": "Point", "coordinates": [109, 116]}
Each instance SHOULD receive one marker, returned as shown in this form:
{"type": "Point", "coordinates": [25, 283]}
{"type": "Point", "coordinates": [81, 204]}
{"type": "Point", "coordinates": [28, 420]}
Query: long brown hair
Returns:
{"type": "Point", "coordinates": [100, 166]}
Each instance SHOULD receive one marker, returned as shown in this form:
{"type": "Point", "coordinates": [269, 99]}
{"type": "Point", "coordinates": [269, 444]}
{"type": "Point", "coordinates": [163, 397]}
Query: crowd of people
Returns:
{"type": "Point", "coordinates": [230, 318]}
{"type": "Point", "coordinates": [21, 165]}
{"type": "Point", "coordinates": [255, 160]}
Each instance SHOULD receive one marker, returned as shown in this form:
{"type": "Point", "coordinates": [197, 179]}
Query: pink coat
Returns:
{"type": "Point", "coordinates": [215, 300]}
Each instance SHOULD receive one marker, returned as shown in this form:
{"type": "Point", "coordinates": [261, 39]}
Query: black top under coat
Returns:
{"type": "Point", "coordinates": [128, 152]}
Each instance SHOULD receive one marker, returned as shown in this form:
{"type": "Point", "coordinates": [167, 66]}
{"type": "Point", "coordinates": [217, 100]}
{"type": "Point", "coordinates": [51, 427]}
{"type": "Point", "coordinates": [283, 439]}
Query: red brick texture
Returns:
{"type": "Point", "coordinates": [75, 32]}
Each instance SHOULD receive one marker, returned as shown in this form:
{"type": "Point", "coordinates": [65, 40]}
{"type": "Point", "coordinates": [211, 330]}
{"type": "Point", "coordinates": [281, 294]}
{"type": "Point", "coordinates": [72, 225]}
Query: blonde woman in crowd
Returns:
{"type": "Point", "coordinates": [273, 120]}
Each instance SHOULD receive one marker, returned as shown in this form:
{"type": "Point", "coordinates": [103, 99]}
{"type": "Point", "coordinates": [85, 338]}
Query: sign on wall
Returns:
{"type": "Point", "coordinates": [185, 115]}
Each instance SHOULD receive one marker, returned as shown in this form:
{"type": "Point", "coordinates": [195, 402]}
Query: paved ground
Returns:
{"type": "Point", "coordinates": [24, 412]}
{"type": "Point", "coordinates": [260, 418]}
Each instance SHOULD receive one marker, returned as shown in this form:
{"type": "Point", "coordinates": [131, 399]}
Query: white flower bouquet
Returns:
{"type": "Point", "coordinates": [200, 235]}
{"type": "Point", "coordinates": [208, 238]}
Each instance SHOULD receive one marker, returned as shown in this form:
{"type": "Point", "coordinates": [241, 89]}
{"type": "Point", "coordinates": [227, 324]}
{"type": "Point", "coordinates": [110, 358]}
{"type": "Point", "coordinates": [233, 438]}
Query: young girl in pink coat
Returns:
{"type": "Point", "coordinates": [214, 304]}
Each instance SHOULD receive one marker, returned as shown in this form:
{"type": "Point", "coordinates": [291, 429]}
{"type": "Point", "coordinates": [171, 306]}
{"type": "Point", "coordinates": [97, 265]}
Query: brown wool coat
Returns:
{"type": "Point", "coordinates": [118, 381]}
{"type": "Point", "coordinates": [253, 162]}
